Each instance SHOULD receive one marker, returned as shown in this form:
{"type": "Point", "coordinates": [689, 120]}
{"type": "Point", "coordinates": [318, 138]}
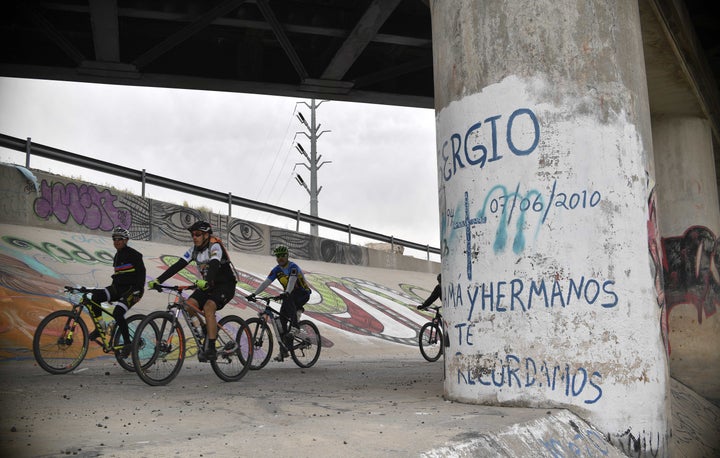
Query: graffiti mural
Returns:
{"type": "Point", "coordinates": [33, 273]}
{"type": "Point", "coordinates": [654, 244]}
{"type": "Point", "coordinates": [84, 204]}
{"type": "Point", "coordinates": [690, 270]}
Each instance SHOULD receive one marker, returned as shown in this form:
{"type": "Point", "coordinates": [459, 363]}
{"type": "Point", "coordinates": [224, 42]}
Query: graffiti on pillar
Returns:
{"type": "Point", "coordinates": [84, 204]}
{"type": "Point", "coordinates": [654, 243]}
{"type": "Point", "coordinates": [690, 271]}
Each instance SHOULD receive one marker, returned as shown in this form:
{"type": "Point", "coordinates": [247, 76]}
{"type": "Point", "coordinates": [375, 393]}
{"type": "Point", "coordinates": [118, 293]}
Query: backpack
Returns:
{"type": "Point", "coordinates": [225, 255]}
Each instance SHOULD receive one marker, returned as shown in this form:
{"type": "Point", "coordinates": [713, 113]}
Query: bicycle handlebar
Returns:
{"type": "Point", "coordinates": [77, 289]}
{"type": "Point", "coordinates": [267, 299]}
{"type": "Point", "coordinates": [178, 288]}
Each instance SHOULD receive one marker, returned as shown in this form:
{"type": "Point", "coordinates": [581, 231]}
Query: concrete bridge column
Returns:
{"type": "Point", "coordinates": [687, 201]}
{"type": "Point", "coordinates": [545, 170]}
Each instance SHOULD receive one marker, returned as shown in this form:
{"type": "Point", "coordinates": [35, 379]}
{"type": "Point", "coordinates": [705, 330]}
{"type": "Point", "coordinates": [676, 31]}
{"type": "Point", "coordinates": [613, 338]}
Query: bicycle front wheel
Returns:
{"type": "Point", "coordinates": [306, 345]}
{"type": "Point", "coordinates": [234, 349]}
{"type": "Point", "coordinates": [158, 353]}
{"type": "Point", "coordinates": [431, 341]}
{"type": "Point", "coordinates": [60, 342]}
{"type": "Point", "coordinates": [149, 332]}
{"type": "Point", "coordinates": [262, 342]}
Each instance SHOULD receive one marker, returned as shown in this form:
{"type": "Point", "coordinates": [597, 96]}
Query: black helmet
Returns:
{"type": "Point", "coordinates": [120, 232]}
{"type": "Point", "coordinates": [202, 226]}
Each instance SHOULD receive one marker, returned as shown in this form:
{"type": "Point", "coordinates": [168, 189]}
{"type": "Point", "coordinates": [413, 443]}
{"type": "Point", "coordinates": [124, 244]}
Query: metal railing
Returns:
{"type": "Point", "coordinates": [48, 152]}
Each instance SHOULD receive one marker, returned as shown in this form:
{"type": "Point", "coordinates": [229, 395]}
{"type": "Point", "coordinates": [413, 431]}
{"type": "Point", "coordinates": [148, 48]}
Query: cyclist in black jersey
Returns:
{"type": "Point", "coordinates": [436, 294]}
{"type": "Point", "coordinates": [126, 288]}
{"type": "Point", "coordinates": [217, 286]}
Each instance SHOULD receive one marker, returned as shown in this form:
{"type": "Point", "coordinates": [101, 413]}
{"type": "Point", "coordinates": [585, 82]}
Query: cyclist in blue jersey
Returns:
{"type": "Point", "coordinates": [296, 290]}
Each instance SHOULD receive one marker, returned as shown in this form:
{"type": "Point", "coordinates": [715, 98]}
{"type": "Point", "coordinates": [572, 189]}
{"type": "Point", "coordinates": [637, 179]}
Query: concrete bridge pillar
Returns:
{"type": "Point", "coordinates": [545, 172]}
{"type": "Point", "coordinates": [687, 200]}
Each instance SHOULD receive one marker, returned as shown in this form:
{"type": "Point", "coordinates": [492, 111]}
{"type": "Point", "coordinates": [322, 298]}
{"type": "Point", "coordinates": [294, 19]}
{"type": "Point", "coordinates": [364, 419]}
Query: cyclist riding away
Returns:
{"type": "Point", "coordinates": [296, 291]}
{"type": "Point", "coordinates": [126, 289]}
{"type": "Point", "coordinates": [217, 286]}
{"type": "Point", "coordinates": [436, 294]}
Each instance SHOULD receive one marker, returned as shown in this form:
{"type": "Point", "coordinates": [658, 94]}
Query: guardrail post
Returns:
{"type": "Point", "coordinates": [427, 251]}
{"type": "Point", "coordinates": [349, 234]}
{"type": "Point", "coordinates": [28, 150]}
{"type": "Point", "coordinates": [297, 222]}
{"type": "Point", "coordinates": [142, 179]}
{"type": "Point", "coordinates": [229, 243]}
{"type": "Point", "coordinates": [392, 244]}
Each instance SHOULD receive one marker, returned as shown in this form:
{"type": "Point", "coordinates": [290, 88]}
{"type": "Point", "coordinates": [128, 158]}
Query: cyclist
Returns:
{"type": "Point", "coordinates": [126, 289]}
{"type": "Point", "coordinates": [295, 296]}
{"type": "Point", "coordinates": [217, 286]}
{"type": "Point", "coordinates": [436, 294]}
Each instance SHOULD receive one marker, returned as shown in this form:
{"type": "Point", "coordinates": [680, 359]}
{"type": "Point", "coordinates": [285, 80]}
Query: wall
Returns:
{"type": "Point", "coordinates": [55, 202]}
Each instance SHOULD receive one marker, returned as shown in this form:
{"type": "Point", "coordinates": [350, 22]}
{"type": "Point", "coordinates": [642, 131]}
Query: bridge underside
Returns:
{"type": "Point", "coordinates": [369, 51]}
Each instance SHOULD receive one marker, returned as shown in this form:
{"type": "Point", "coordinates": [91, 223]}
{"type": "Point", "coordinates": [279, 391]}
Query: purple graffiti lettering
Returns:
{"type": "Point", "coordinates": [86, 205]}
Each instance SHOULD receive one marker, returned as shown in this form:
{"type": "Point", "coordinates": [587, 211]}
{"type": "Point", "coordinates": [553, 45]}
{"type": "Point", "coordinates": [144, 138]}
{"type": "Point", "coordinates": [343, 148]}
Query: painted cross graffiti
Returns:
{"type": "Point", "coordinates": [466, 223]}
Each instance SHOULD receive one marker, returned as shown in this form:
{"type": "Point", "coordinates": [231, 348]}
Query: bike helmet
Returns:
{"type": "Point", "coordinates": [280, 251]}
{"type": "Point", "coordinates": [202, 226]}
{"type": "Point", "coordinates": [120, 232]}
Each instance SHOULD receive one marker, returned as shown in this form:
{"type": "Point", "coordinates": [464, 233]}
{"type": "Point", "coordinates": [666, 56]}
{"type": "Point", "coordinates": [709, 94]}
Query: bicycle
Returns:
{"type": "Point", "coordinates": [61, 340]}
{"type": "Point", "coordinates": [162, 357]}
{"type": "Point", "coordinates": [305, 347]}
{"type": "Point", "coordinates": [431, 339]}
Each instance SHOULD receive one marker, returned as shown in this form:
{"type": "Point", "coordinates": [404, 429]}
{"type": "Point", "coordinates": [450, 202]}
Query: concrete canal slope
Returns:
{"type": "Point", "coordinates": [370, 394]}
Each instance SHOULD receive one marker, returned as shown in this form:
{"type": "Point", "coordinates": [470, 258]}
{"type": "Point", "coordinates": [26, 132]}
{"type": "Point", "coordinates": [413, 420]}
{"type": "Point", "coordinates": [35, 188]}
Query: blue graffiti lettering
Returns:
{"type": "Point", "coordinates": [510, 371]}
{"type": "Point", "coordinates": [472, 145]}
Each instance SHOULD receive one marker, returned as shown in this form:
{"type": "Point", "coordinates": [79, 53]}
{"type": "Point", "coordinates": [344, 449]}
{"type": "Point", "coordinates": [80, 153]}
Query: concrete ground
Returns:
{"type": "Point", "coordinates": [370, 394]}
{"type": "Point", "coordinates": [356, 407]}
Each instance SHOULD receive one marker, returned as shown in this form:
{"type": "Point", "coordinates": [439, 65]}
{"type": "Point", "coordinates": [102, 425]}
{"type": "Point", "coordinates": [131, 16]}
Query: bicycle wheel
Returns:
{"type": "Point", "coordinates": [60, 342]}
{"type": "Point", "coordinates": [118, 342]}
{"type": "Point", "coordinates": [158, 354]}
{"type": "Point", "coordinates": [306, 345]}
{"type": "Point", "coordinates": [431, 341]}
{"type": "Point", "coordinates": [262, 342]}
{"type": "Point", "coordinates": [234, 349]}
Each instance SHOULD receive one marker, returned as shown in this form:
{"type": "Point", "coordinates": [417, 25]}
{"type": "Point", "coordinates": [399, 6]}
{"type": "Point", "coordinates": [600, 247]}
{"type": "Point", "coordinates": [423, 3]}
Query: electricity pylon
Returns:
{"type": "Point", "coordinates": [313, 160]}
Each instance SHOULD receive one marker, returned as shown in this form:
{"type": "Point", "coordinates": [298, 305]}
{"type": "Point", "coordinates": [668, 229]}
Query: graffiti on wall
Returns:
{"type": "Point", "coordinates": [84, 204]}
{"type": "Point", "coordinates": [690, 271]}
{"type": "Point", "coordinates": [34, 273]}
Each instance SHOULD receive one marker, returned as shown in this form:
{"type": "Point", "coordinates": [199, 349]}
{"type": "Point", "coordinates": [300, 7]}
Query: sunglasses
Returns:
{"type": "Point", "coordinates": [197, 234]}
{"type": "Point", "coordinates": [117, 239]}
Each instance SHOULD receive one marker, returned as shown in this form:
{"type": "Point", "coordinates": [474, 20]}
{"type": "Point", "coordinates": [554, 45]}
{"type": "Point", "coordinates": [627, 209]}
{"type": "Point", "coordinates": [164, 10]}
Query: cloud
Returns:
{"type": "Point", "coordinates": [381, 175]}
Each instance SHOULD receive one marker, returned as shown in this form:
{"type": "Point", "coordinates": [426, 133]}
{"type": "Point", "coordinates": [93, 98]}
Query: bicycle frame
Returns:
{"type": "Point", "coordinates": [85, 303]}
{"type": "Point", "coordinates": [269, 315]}
{"type": "Point", "coordinates": [179, 306]}
{"type": "Point", "coordinates": [302, 347]}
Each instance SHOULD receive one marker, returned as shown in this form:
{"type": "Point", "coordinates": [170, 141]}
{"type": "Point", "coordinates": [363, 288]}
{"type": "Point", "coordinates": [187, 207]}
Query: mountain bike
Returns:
{"type": "Point", "coordinates": [303, 347]}
{"type": "Point", "coordinates": [61, 340]}
{"type": "Point", "coordinates": [431, 339]}
{"type": "Point", "coordinates": [162, 357]}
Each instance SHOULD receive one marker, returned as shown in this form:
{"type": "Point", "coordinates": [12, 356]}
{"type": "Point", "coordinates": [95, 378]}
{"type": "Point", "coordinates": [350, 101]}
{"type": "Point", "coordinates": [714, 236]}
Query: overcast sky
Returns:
{"type": "Point", "coordinates": [383, 174]}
